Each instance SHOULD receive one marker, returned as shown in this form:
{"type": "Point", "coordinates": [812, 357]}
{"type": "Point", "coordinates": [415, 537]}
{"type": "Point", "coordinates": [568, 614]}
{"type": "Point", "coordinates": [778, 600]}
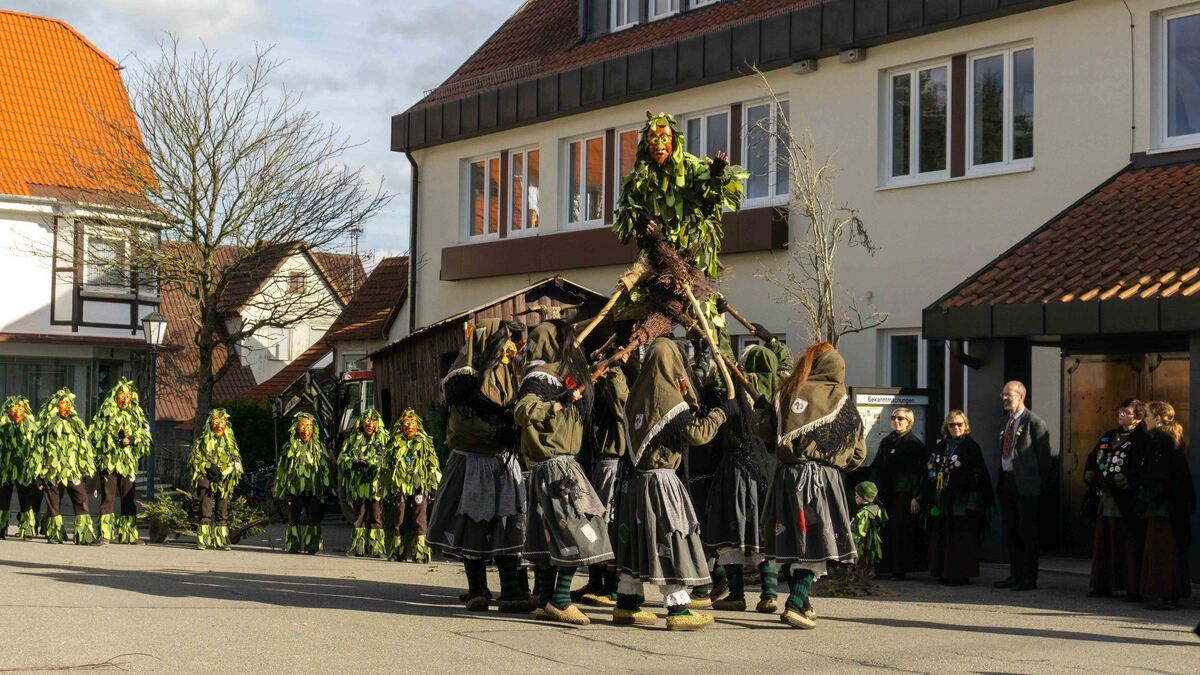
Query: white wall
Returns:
{"type": "Point", "coordinates": [931, 236]}
{"type": "Point", "coordinates": [255, 352]}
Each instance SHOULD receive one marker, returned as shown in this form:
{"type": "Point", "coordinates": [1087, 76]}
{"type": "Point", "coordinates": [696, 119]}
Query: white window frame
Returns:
{"type": "Point", "coordinates": [773, 199]}
{"type": "Point", "coordinates": [655, 16]}
{"type": "Point", "coordinates": [702, 3]}
{"type": "Point", "coordinates": [468, 205]}
{"type": "Point", "coordinates": [922, 355]}
{"type": "Point", "coordinates": [614, 7]}
{"type": "Point", "coordinates": [703, 116]}
{"type": "Point", "coordinates": [1159, 107]}
{"type": "Point", "coordinates": [89, 267]}
{"type": "Point", "coordinates": [741, 341]}
{"type": "Point", "coordinates": [1007, 164]}
{"type": "Point", "coordinates": [914, 176]}
{"type": "Point", "coordinates": [525, 230]}
{"type": "Point", "coordinates": [565, 181]}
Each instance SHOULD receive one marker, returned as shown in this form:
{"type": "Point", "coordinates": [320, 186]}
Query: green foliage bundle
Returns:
{"type": "Point", "coordinates": [303, 467]}
{"type": "Point", "coordinates": [67, 455]}
{"type": "Point", "coordinates": [111, 424]}
{"type": "Point", "coordinates": [361, 461]}
{"type": "Point", "coordinates": [413, 462]}
{"type": "Point", "coordinates": [20, 463]}
{"type": "Point", "coordinates": [217, 451]}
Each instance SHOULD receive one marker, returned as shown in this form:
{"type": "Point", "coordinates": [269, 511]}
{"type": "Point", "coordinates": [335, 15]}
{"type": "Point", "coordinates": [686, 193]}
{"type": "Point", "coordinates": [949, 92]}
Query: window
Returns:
{"type": "Point", "coordinates": [1000, 102]}
{"type": "Point", "coordinates": [484, 202]}
{"type": "Point", "coordinates": [355, 362]}
{"type": "Point", "coordinates": [279, 343]}
{"type": "Point", "coordinates": [1178, 101]}
{"type": "Point", "coordinates": [296, 282]}
{"type": "Point", "coordinates": [918, 125]}
{"type": "Point", "coordinates": [702, 3]}
{"type": "Point", "coordinates": [741, 341]}
{"type": "Point", "coordinates": [585, 181]}
{"type": "Point", "coordinates": [660, 9]}
{"type": "Point", "coordinates": [623, 13]}
{"type": "Point", "coordinates": [106, 262]}
{"type": "Point", "coordinates": [524, 171]}
{"type": "Point", "coordinates": [626, 155]}
{"type": "Point", "coordinates": [708, 133]}
{"type": "Point", "coordinates": [765, 159]}
{"type": "Point", "coordinates": [904, 359]}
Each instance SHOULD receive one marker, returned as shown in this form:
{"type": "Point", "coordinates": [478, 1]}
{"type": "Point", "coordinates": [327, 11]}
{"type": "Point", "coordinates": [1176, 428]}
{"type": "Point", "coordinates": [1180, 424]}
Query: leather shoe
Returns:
{"type": "Point", "coordinates": [1007, 582]}
{"type": "Point", "coordinates": [1025, 586]}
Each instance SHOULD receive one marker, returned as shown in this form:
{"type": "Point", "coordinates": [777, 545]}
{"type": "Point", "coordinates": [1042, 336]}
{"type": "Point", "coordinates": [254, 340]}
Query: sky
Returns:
{"type": "Point", "coordinates": [355, 62]}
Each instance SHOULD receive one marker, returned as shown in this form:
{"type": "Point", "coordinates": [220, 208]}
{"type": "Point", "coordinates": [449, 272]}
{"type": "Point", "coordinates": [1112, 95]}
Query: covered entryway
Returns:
{"type": "Point", "coordinates": [1098, 305]}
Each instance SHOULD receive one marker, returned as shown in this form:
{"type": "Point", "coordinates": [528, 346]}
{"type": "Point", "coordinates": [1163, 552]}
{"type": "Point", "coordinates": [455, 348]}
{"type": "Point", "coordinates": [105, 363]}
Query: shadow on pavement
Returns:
{"type": "Point", "coordinates": [1008, 630]}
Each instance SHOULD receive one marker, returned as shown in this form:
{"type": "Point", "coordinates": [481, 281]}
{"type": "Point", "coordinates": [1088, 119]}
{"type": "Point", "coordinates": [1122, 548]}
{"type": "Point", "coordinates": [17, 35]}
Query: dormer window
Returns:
{"type": "Point", "coordinates": [623, 14]}
{"type": "Point", "coordinates": [661, 9]}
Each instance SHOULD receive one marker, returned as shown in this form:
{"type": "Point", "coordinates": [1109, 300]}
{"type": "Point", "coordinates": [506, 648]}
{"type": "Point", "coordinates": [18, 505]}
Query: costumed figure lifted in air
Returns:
{"type": "Point", "coordinates": [20, 466]}
{"type": "Point", "coordinates": [68, 462]}
{"type": "Point", "coordinates": [413, 477]}
{"type": "Point", "coordinates": [121, 436]}
{"type": "Point", "coordinates": [215, 466]}
{"type": "Point", "coordinates": [361, 472]}
{"type": "Point", "coordinates": [301, 478]}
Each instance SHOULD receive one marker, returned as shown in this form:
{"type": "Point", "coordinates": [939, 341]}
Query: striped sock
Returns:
{"type": "Point", "coordinates": [510, 581]}
{"type": "Point", "coordinates": [770, 579]}
{"type": "Point", "coordinates": [476, 569]}
{"type": "Point", "coordinates": [800, 584]}
{"type": "Point", "coordinates": [737, 582]}
{"type": "Point", "coordinates": [545, 584]}
{"type": "Point", "coordinates": [562, 589]}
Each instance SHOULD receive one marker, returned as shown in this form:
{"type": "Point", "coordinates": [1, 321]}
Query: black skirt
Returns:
{"type": "Point", "coordinates": [1117, 554]}
{"type": "Point", "coordinates": [954, 547]}
{"type": "Point", "coordinates": [734, 513]}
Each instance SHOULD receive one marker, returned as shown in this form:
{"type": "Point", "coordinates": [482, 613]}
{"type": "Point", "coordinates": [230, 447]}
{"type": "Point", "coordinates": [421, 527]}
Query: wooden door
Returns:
{"type": "Point", "coordinates": [1093, 388]}
{"type": "Point", "coordinates": [1168, 382]}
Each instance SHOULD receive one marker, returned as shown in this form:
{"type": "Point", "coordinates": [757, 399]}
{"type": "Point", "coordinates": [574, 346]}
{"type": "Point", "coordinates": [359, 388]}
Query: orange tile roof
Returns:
{"type": "Point", "coordinates": [1136, 236]}
{"type": "Point", "coordinates": [370, 314]}
{"type": "Point", "coordinates": [58, 93]}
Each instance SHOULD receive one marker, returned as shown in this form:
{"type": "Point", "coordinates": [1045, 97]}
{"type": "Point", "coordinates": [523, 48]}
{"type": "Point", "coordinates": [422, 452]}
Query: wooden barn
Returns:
{"type": "Point", "coordinates": [409, 370]}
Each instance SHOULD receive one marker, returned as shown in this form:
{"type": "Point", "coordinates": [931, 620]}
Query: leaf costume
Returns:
{"type": "Point", "coordinates": [67, 459]}
{"type": "Point", "coordinates": [413, 474]}
{"type": "Point", "coordinates": [302, 477]}
{"type": "Point", "coordinates": [20, 465]}
{"type": "Point", "coordinates": [215, 467]}
{"type": "Point", "coordinates": [867, 528]}
{"type": "Point", "coordinates": [685, 195]}
{"type": "Point", "coordinates": [361, 472]}
{"type": "Point", "coordinates": [121, 436]}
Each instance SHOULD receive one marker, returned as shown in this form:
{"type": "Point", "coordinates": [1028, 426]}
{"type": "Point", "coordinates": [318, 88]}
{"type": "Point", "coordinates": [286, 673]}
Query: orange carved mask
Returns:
{"type": "Point", "coordinates": [17, 414]}
{"type": "Point", "coordinates": [660, 140]}
{"type": "Point", "coordinates": [65, 407]}
{"type": "Point", "coordinates": [305, 428]}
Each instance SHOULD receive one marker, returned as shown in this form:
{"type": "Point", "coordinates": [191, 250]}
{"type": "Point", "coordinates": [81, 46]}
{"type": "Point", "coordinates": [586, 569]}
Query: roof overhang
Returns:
{"type": "Point", "coordinates": [1098, 317]}
{"type": "Point", "coordinates": [811, 32]}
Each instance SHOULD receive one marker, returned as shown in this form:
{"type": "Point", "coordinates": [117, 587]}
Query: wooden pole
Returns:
{"type": "Point", "coordinates": [712, 343]}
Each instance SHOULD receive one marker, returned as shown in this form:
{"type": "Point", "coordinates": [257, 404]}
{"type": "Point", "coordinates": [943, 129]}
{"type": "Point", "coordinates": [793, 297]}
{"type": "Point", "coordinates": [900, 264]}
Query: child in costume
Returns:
{"type": "Point", "coordinates": [68, 461]}
{"type": "Point", "coordinates": [480, 508]}
{"type": "Point", "coordinates": [567, 526]}
{"type": "Point", "coordinates": [302, 477]}
{"type": "Point", "coordinates": [413, 477]}
{"type": "Point", "coordinates": [868, 528]}
{"type": "Point", "coordinates": [20, 466]}
{"type": "Point", "coordinates": [360, 470]}
{"type": "Point", "coordinates": [121, 437]}
{"type": "Point", "coordinates": [215, 465]}
{"type": "Point", "coordinates": [658, 533]}
{"type": "Point", "coordinates": [818, 436]}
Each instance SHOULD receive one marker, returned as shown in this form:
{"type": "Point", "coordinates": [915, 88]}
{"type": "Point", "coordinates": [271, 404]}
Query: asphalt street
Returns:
{"type": "Point", "coordinates": [169, 608]}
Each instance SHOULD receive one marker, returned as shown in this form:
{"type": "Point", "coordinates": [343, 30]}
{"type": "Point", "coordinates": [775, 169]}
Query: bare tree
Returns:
{"type": "Point", "coordinates": [806, 276]}
{"type": "Point", "coordinates": [226, 173]}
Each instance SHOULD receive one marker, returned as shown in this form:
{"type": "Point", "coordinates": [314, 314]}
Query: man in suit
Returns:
{"type": "Point", "coordinates": [1025, 465]}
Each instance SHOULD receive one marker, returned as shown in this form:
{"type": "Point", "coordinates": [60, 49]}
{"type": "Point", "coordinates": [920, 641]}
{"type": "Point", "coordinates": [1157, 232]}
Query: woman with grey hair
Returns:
{"type": "Point", "coordinates": [897, 473]}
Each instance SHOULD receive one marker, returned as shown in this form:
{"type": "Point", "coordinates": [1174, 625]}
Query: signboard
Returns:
{"type": "Point", "coordinates": [875, 406]}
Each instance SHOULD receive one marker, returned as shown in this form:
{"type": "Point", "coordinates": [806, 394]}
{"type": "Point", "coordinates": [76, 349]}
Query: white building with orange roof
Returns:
{"type": "Point", "coordinates": [71, 314]}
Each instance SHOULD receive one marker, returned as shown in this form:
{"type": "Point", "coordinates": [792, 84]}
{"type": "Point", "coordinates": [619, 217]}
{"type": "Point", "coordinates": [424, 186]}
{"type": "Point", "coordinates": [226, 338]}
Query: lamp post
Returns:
{"type": "Point", "coordinates": [154, 329]}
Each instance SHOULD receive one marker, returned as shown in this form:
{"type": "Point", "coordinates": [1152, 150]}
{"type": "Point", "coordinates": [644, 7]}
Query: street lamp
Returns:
{"type": "Point", "coordinates": [154, 329]}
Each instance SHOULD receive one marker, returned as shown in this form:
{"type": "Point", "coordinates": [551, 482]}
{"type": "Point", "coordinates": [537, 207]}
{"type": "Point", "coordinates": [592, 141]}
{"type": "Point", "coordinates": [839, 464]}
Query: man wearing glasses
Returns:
{"type": "Point", "coordinates": [1025, 464]}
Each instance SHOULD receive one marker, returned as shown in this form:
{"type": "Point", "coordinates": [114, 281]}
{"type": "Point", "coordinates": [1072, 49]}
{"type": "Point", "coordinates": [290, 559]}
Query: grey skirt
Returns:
{"type": "Point", "coordinates": [566, 518]}
{"type": "Point", "coordinates": [805, 518]}
{"type": "Point", "coordinates": [604, 481]}
{"type": "Point", "coordinates": [733, 514]}
{"type": "Point", "coordinates": [658, 534]}
{"type": "Point", "coordinates": [480, 507]}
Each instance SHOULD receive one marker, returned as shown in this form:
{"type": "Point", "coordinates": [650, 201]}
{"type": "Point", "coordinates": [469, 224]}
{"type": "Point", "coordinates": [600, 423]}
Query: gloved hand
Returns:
{"type": "Point", "coordinates": [359, 464]}
{"type": "Point", "coordinates": [722, 305]}
{"type": "Point", "coordinates": [762, 333]}
{"type": "Point", "coordinates": [761, 403]}
{"type": "Point", "coordinates": [212, 473]}
{"type": "Point", "coordinates": [718, 165]}
{"type": "Point", "coordinates": [731, 408]}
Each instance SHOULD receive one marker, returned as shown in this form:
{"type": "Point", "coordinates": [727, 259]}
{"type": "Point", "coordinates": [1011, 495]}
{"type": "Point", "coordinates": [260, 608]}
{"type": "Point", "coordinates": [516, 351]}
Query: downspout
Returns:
{"type": "Point", "coordinates": [413, 201]}
{"type": "Point", "coordinates": [1132, 85]}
